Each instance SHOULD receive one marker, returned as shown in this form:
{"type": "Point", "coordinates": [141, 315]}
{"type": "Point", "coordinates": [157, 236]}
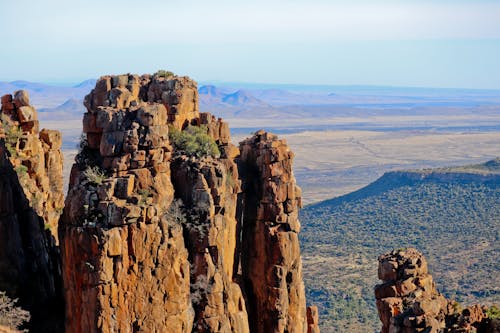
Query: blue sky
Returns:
{"type": "Point", "coordinates": [440, 43]}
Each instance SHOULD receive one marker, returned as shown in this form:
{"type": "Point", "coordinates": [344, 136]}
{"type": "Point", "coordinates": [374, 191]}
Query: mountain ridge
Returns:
{"type": "Point", "coordinates": [452, 217]}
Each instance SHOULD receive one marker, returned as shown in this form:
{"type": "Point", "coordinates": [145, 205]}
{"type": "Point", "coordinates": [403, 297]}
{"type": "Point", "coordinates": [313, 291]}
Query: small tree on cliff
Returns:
{"type": "Point", "coordinates": [194, 141]}
{"type": "Point", "coordinates": [163, 73]}
{"type": "Point", "coordinates": [11, 315]}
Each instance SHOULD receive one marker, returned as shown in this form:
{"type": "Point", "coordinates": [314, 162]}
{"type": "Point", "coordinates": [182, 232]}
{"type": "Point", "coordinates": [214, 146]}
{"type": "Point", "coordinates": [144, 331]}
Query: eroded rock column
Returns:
{"type": "Point", "coordinates": [124, 258]}
{"type": "Point", "coordinates": [208, 188]}
{"type": "Point", "coordinates": [271, 263]}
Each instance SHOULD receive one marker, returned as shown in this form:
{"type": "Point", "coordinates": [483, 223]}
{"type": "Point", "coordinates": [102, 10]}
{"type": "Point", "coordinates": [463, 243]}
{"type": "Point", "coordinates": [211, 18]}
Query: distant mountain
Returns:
{"type": "Point", "coordinates": [242, 97]}
{"type": "Point", "coordinates": [230, 104]}
{"type": "Point", "coordinates": [87, 84]}
{"type": "Point", "coordinates": [48, 96]}
{"type": "Point", "coordinates": [71, 109]}
{"type": "Point", "coordinates": [211, 95]}
{"type": "Point", "coordinates": [211, 91]}
{"type": "Point", "coordinates": [451, 214]}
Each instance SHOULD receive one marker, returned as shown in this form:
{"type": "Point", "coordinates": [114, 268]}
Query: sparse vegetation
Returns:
{"type": "Point", "coordinates": [163, 73]}
{"type": "Point", "coordinates": [12, 135]}
{"type": "Point", "coordinates": [21, 170]}
{"type": "Point", "coordinates": [176, 212]}
{"type": "Point", "coordinates": [94, 175]}
{"type": "Point", "coordinates": [229, 179]}
{"type": "Point", "coordinates": [194, 141]}
{"type": "Point", "coordinates": [83, 142]}
{"type": "Point", "coordinates": [144, 195]}
{"type": "Point", "coordinates": [454, 223]}
{"type": "Point", "coordinates": [11, 315]}
{"type": "Point", "coordinates": [199, 289]}
{"type": "Point", "coordinates": [493, 312]}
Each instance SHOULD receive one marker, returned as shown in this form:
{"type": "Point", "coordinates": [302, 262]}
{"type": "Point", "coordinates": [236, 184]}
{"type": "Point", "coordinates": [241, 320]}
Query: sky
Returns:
{"type": "Point", "coordinates": [439, 43]}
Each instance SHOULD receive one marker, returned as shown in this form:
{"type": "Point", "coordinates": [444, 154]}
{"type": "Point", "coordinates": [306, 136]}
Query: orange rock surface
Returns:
{"type": "Point", "coordinates": [155, 240]}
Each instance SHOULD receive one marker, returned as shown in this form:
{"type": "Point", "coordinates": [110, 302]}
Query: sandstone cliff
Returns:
{"type": "Point", "coordinates": [407, 300]}
{"type": "Point", "coordinates": [271, 264]}
{"type": "Point", "coordinates": [167, 228]}
{"type": "Point", "coordinates": [31, 200]}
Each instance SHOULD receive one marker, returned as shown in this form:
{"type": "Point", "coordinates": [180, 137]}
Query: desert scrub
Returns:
{"type": "Point", "coordinates": [87, 156]}
{"type": "Point", "coordinates": [194, 141]}
{"type": "Point", "coordinates": [163, 73]}
{"type": "Point", "coordinates": [144, 195]}
{"type": "Point", "coordinates": [176, 212]}
{"type": "Point", "coordinates": [11, 315]}
{"type": "Point", "coordinates": [493, 312]}
{"type": "Point", "coordinates": [21, 170]}
{"type": "Point", "coordinates": [94, 175]}
{"type": "Point", "coordinates": [12, 135]}
{"type": "Point", "coordinates": [199, 289]}
{"type": "Point", "coordinates": [229, 179]}
{"type": "Point", "coordinates": [82, 143]}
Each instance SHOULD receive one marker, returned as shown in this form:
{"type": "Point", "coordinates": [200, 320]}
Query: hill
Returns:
{"type": "Point", "coordinates": [70, 109]}
{"type": "Point", "coordinates": [451, 214]}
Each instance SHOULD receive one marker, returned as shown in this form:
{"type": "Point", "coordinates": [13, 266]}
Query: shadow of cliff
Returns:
{"type": "Point", "coordinates": [30, 267]}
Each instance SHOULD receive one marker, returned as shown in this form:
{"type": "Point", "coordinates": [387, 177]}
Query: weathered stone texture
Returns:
{"type": "Point", "coordinates": [31, 201]}
{"type": "Point", "coordinates": [124, 259]}
{"type": "Point", "coordinates": [151, 238]}
{"type": "Point", "coordinates": [209, 188]}
{"type": "Point", "coordinates": [271, 263]}
{"type": "Point", "coordinates": [407, 300]}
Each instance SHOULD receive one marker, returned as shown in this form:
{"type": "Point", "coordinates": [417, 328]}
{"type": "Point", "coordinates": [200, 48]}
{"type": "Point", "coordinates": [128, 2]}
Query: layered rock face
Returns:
{"type": "Point", "coordinates": [209, 187]}
{"type": "Point", "coordinates": [151, 235]}
{"type": "Point", "coordinates": [31, 200]}
{"type": "Point", "coordinates": [407, 300]}
{"type": "Point", "coordinates": [272, 268]}
{"type": "Point", "coordinates": [125, 265]}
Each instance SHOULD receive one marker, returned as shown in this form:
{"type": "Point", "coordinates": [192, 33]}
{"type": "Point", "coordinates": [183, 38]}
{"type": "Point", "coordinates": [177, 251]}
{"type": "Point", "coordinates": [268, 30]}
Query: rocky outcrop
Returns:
{"type": "Point", "coordinates": [125, 264]}
{"type": "Point", "coordinates": [208, 189]}
{"type": "Point", "coordinates": [31, 201]}
{"type": "Point", "coordinates": [155, 238]}
{"type": "Point", "coordinates": [272, 267]}
{"type": "Point", "coordinates": [407, 300]}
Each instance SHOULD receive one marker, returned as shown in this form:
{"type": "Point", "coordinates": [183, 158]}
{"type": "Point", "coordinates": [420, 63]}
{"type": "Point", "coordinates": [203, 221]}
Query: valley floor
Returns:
{"type": "Point", "coordinates": [333, 163]}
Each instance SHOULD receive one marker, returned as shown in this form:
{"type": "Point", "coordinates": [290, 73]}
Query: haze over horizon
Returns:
{"type": "Point", "coordinates": [441, 44]}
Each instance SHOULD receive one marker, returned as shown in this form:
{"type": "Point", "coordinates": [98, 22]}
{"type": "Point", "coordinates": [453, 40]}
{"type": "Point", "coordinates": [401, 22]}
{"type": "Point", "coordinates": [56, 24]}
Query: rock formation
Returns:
{"type": "Point", "coordinates": [407, 300]}
{"type": "Point", "coordinates": [31, 200]}
{"type": "Point", "coordinates": [272, 268]}
{"type": "Point", "coordinates": [158, 237]}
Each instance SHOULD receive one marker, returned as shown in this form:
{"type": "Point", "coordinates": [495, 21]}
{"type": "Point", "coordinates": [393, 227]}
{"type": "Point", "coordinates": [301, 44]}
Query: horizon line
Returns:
{"type": "Point", "coordinates": [201, 83]}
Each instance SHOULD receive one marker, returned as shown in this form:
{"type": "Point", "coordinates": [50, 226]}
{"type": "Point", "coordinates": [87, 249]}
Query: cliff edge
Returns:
{"type": "Point", "coordinates": [168, 227]}
{"type": "Point", "coordinates": [31, 201]}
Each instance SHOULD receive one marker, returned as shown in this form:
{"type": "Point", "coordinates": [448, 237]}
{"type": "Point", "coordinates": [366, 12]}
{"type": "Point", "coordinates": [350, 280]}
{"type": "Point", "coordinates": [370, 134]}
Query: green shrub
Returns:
{"type": "Point", "coordinates": [493, 312]}
{"type": "Point", "coordinates": [94, 175]}
{"type": "Point", "coordinates": [21, 170]}
{"type": "Point", "coordinates": [230, 183]}
{"type": "Point", "coordinates": [194, 141]}
{"type": "Point", "coordinates": [12, 135]}
{"type": "Point", "coordinates": [163, 73]}
{"type": "Point", "coordinates": [145, 194]}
